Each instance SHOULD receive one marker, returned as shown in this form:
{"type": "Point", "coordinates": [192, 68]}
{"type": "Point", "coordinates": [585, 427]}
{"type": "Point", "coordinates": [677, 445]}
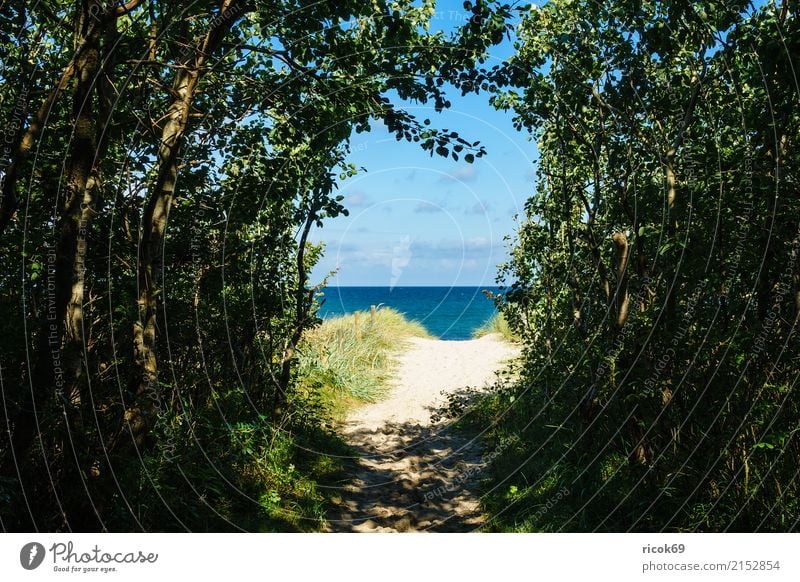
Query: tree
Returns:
{"type": "Point", "coordinates": [201, 144]}
{"type": "Point", "coordinates": [649, 265]}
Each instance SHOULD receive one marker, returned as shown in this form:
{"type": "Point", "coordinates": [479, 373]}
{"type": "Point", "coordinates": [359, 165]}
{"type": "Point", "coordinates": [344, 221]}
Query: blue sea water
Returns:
{"type": "Point", "coordinates": [450, 313]}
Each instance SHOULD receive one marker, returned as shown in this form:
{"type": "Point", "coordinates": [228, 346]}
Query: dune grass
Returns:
{"type": "Point", "coordinates": [349, 359]}
{"type": "Point", "coordinates": [499, 325]}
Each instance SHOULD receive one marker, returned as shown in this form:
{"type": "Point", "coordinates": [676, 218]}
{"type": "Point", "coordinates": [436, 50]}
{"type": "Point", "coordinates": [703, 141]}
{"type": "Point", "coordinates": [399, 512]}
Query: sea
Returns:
{"type": "Point", "coordinates": [449, 313]}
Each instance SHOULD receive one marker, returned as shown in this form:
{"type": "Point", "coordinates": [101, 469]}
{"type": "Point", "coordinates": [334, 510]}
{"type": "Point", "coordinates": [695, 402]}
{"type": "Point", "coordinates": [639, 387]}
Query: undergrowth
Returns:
{"type": "Point", "coordinates": [232, 469]}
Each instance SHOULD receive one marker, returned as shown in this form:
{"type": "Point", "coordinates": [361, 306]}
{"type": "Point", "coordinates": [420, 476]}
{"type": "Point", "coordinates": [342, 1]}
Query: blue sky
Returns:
{"type": "Point", "coordinates": [422, 220]}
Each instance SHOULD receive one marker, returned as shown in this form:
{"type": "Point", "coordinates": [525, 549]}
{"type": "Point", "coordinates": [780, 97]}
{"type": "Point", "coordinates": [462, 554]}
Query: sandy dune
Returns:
{"type": "Point", "coordinates": [412, 474]}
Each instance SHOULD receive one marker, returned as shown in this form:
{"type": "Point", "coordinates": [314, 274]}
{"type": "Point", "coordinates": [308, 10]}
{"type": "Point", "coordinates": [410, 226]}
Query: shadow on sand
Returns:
{"type": "Point", "coordinates": [408, 477]}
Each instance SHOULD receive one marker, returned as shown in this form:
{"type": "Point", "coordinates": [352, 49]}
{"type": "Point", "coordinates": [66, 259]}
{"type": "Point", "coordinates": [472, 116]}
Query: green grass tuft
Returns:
{"type": "Point", "coordinates": [497, 324]}
{"type": "Point", "coordinates": [350, 358]}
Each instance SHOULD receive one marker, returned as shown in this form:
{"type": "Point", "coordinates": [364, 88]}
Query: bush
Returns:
{"type": "Point", "coordinates": [231, 469]}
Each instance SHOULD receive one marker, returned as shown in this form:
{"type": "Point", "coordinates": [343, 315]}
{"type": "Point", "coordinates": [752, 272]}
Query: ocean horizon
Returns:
{"type": "Point", "coordinates": [448, 313]}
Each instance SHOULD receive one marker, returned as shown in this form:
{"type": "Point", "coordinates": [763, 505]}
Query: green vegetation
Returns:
{"type": "Point", "coordinates": [163, 164]}
{"type": "Point", "coordinates": [497, 324]}
{"type": "Point", "coordinates": [348, 359]}
{"type": "Point", "coordinates": [656, 276]}
{"type": "Point", "coordinates": [183, 482]}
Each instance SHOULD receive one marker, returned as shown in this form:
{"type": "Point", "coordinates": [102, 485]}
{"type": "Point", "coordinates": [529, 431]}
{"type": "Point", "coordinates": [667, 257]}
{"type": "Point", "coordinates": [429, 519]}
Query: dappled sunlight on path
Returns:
{"type": "Point", "coordinates": [411, 474]}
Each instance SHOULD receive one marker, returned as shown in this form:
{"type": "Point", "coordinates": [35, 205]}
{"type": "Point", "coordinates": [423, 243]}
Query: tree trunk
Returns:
{"type": "Point", "coordinates": [621, 298]}
{"type": "Point", "coordinates": [141, 412]}
{"type": "Point", "coordinates": [95, 16]}
{"type": "Point", "coordinates": [58, 368]}
{"type": "Point", "coordinates": [671, 182]}
{"type": "Point", "coordinates": [301, 315]}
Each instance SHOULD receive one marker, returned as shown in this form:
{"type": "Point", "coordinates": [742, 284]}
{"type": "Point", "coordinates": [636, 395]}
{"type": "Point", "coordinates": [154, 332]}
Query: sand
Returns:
{"type": "Point", "coordinates": [413, 474]}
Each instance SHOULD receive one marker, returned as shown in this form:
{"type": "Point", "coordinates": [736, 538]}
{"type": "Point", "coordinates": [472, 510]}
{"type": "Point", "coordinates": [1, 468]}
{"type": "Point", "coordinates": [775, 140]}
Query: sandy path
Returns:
{"type": "Point", "coordinates": [412, 474]}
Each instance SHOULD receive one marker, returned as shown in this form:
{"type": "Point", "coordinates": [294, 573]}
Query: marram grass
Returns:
{"type": "Point", "coordinates": [497, 324]}
{"type": "Point", "coordinates": [351, 357]}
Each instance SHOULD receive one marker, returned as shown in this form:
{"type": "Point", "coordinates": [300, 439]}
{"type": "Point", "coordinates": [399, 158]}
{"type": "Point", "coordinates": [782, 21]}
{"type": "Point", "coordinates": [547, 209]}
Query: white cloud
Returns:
{"type": "Point", "coordinates": [356, 199]}
{"type": "Point", "coordinates": [463, 174]}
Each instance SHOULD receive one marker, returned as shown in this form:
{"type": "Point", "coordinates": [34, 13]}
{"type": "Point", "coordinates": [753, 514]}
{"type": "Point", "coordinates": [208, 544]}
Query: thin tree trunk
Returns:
{"type": "Point", "coordinates": [671, 181]}
{"type": "Point", "coordinates": [95, 17]}
{"type": "Point", "coordinates": [60, 347]}
{"type": "Point", "coordinates": [141, 413]}
{"type": "Point", "coordinates": [796, 286]}
{"type": "Point", "coordinates": [621, 299]}
{"type": "Point", "coordinates": [301, 315]}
